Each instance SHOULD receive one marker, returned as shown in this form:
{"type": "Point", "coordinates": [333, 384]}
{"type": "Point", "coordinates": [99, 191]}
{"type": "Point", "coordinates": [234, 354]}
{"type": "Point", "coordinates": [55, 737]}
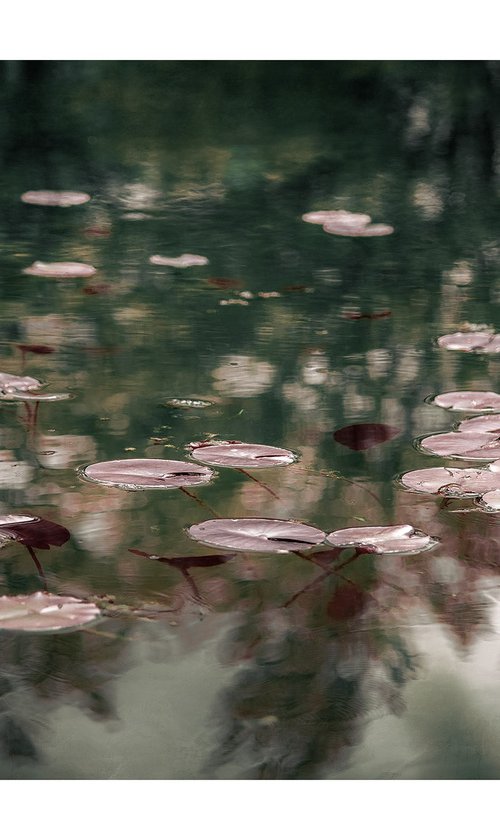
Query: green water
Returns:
{"type": "Point", "coordinates": [387, 670]}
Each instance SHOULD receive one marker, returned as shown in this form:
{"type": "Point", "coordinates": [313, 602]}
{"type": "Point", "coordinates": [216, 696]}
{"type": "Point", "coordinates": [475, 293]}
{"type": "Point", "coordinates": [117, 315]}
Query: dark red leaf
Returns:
{"type": "Point", "coordinates": [97, 289]}
{"type": "Point", "coordinates": [38, 533]}
{"type": "Point", "coordinates": [224, 283]}
{"type": "Point", "coordinates": [41, 349]}
{"type": "Point", "coordinates": [357, 316]}
{"type": "Point", "coordinates": [187, 562]}
{"type": "Point", "coordinates": [346, 603]}
{"type": "Point", "coordinates": [365, 435]}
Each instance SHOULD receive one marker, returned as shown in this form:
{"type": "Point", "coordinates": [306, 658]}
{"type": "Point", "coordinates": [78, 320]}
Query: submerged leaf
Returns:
{"type": "Point", "coordinates": [201, 561]}
{"type": "Point", "coordinates": [347, 602]}
{"type": "Point", "coordinates": [33, 531]}
{"type": "Point", "coordinates": [44, 611]}
{"type": "Point", "coordinates": [268, 535]}
{"type": "Point", "coordinates": [147, 474]}
{"type": "Point", "coordinates": [60, 269]}
{"type": "Point", "coordinates": [361, 436]}
{"type": "Point", "coordinates": [224, 283]}
{"type": "Point", "coordinates": [55, 198]}
{"type": "Point", "coordinates": [39, 349]}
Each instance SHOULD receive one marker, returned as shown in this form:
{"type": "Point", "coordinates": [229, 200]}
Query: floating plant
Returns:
{"type": "Point", "coordinates": [486, 423]}
{"type": "Point", "coordinates": [183, 564]}
{"type": "Point", "coordinates": [32, 532]}
{"type": "Point", "coordinates": [184, 261]}
{"type": "Point", "coordinates": [345, 223]}
{"type": "Point", "coordinates": [467, 401]}
{"type": "Point", "coordinates": [239, 455]}
{"type": "Point", "coordinates": [10, 384]}
{"type": "Point", "coordinates": [471, 342]}
{"type": "Point", "coordinates": [42, 611]}
{"type": "Point", "coordinates": [452, 482]}
{"type": "Point", "coordinates": [55, 198]}
{"type": "Point", "coordinates": [361, 436]}
{"type": "Point", "coordinates": [149, 474]}
{"type": "Point", "coordinates": [278, 536]}
{"type": "Point", "coordinates": [393, 539]}
{"type": "Point", "coordinates": [60, 269]}
{"type": "Point", "coordinates": [178, 402]}
{"type": "Point", "coordinates": [468, 445]}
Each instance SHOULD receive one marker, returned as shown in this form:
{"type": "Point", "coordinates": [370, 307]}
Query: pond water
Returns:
{"type": "Point", "coordinates": [257, 665]}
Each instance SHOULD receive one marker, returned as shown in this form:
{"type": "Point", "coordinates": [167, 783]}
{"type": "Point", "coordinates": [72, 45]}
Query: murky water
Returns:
{"type": "Point", "coordinates": [262, 666]}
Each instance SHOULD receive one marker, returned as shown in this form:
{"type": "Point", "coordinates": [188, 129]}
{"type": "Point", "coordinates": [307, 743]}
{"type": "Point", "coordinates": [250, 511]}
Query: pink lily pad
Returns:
{"type": "Point", "coordinates": [268, 535]}
{"type": "Point", "coordinates": [55, 198]}
{"type": "Point", "coordinates": [490, 501]}
{"type": "Point", "coordinates": [147, 474]}
{"type": "Point", "coordinates": [184, 261]}
{"type": "Point", "coordinates": [43, 611]}
{"type": "Point", "coordinates": [468, 401]}
{"type": "Point", "coordinates": [342, 229]}
{"type": "Point", "coordinates": [361, 436]}
{"type": "Point", "coordinates": [393, 539]}
{"type": "Point", "coordinates": [60, 269]}
{"type": "Point", "coordinates": [469, 445]}
{"type": "Point", "coordinates": [325, 217]}
{"type": "Point", "coordinates": [12, 384]}
{"type": "Point", "coordinates": [243, 455]}
{"type": "Point", "coordinates": [26, 396]}
{"type": "Point", "coordinates": [467, 342]}
{"type": "Point", "coordinates": [482, 423]}
{"type": "Point", "coordinates": [451, 481]}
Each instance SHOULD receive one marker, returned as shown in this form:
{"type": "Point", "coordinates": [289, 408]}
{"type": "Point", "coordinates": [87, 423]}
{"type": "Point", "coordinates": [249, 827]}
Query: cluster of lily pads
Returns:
{"type": "Point", "coordinates": [45, 611]}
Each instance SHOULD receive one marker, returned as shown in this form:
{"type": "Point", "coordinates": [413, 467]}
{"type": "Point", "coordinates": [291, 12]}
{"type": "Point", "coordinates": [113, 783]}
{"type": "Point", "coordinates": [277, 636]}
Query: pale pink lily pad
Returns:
{"type": "Point", "coordinates": [28, 396]}
{"type": "Point", "coordinates": [393, 539]}
{"type": "Point", "coordinates": [184, 261]}
{"type": "Point", "coordinates": [344, 217]}
{"type": "Point", "coordinates": [451, 481]}
{"type": "Point", "coordinates": [268, 535]}
{"type": "Point", "coordinates": [468, 342]}
{"type": "Point", "coordinates": [147, 474]}
{"type": "Point", "coordinates": [468, 400]}
{"type": "Point", "coordinates": [60, 269]}
{"type": "Point", "coordinates": [469, 445]}
{"type": "Point", "coordinates": [43, 611]}
{"type": "Point", "coordinates": [342, 229]}
{"type": "Point", "coordinates": [12, 384]}
{"type": "Point", "coordinates": [482, 423]}
{"type": "Point", "coordinates": [55, 198]}
{"type": "Point", "coordinates": [256, 456]}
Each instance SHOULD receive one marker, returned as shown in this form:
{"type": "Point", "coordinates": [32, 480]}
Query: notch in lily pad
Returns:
{"type": "Point", "coordinates": [149, 474]}
{"type": "Point", "coordinates": [276, 536]}
{"type": "Point", "coordinates": [390, 539]}
{"type": "Point", "coordinates": [43, 612]}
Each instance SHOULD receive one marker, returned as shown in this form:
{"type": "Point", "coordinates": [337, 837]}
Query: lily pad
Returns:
{"type": "Point", "coordinates": [278, 536]}
{"type": "Point", "coordinates": [147, 474]}
{"type": "Point", "coordinates": [482, 423]}
{"type": "Point", "coordinates": [184, 261]}
{"type": "Point", "coordinates": [42, 611]}
{"type": "Point", "coordinates": [470, 342]}
{"type": "Point", "coordinates": [324, 217]}
{"type": "Point", "coordinates": [451, 481]}
{"type": "Point", "coordinates": [55, 198]}
{"type": "Point", "coordinates": [178, 402]}
{"type": "Point", "coordinates": [469, 445]}
{"type": "Point", "coordinates": [60, 269]}
{"type": "Point", "coordinates": [467, 401]}
{"type": "Point", "coordinates": [14, 384]}
{"type": "Point", "coordinates": [393, 539]}
{"type": "Point", "coordinates": [489, 501]}
{"type": "Point", "coordinates": [256, 456]}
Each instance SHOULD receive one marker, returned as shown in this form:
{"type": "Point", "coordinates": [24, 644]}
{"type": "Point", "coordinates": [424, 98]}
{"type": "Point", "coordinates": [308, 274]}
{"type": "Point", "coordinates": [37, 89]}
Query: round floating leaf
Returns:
{"type": "Point", "coordinates": [20, 396]}
{"type": "Point", "coordinates": [184, 261]}
{"type": "Point", "coordinates": [269, 535]}
{"type": "Point", "coordinates": [12, 384]}
{"type": "Point", "coordinates": [55, 198]}
{"type": "Point", "coordinates": [471, 445]}
{"type": "Point", "coordinates": [177, 402]}
{"type": "Point", "coordinates": [470, 342]}
{"type": "Point", "coordinates": [39, 349]}
{"type": "Point", "coordinates": [451, 481]}
{"type": "Point", "coordinates": [33, 531]}
{"type": "Point", "coordinates": [60, 269]}
{"type": "Point", "coordinates": [147, 474]}
{"type": "Point", "coordinates": [42, 611]}
{"type": "Point", "coordinates": [467, 400]}
{"type": "Point", "coordinates": [324, 217]}
{"type": "Point", "coordinates": [482, 423]}
{"type": "Point", "coordinates": [243, 455]}
{"type": "Point", "coordinates": [365, 435]}
{"type": "Point", "coordinates": [393, 539]}
{"type": "Point", "coordinates": [342, 229]}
